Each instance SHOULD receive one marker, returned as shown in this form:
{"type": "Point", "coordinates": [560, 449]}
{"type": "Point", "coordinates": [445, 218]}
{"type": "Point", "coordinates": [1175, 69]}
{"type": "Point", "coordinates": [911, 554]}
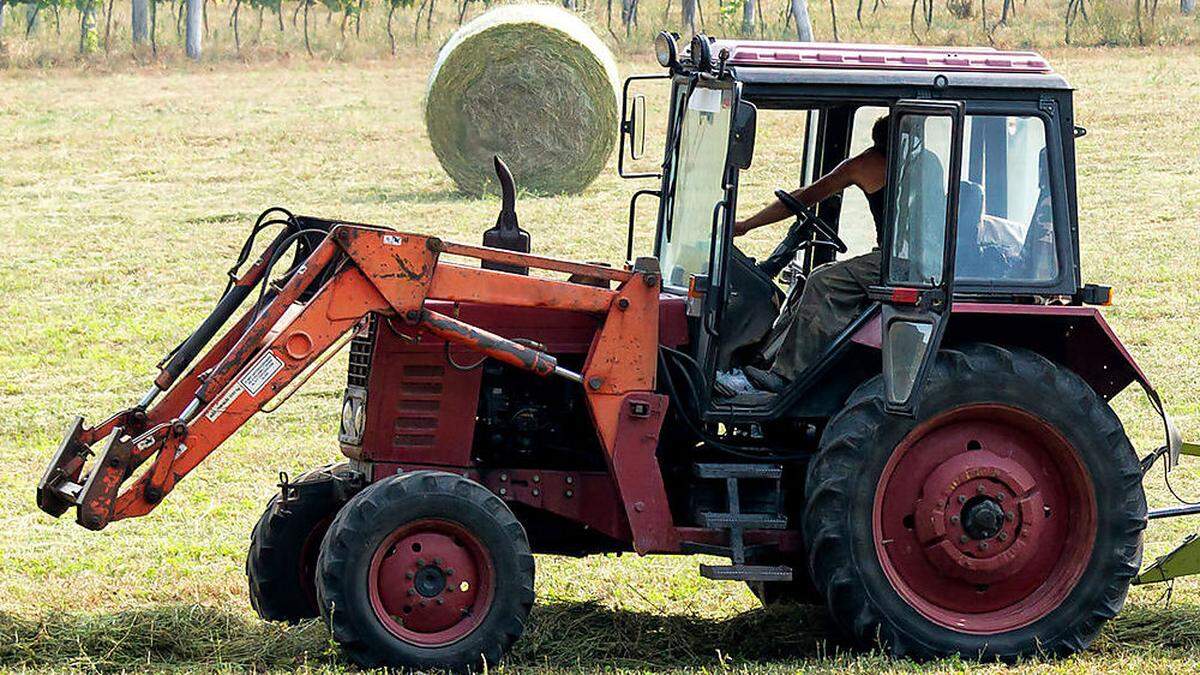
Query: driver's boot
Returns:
{"type": "Point", "coordinates": [765, 380]}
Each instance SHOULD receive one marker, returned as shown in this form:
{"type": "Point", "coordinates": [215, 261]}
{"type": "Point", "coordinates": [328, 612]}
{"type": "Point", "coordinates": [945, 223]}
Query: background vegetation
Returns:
{"type": "Point", "coordinates": [124, 195]}
{"type": "Point", "coordinates": [100, 33]}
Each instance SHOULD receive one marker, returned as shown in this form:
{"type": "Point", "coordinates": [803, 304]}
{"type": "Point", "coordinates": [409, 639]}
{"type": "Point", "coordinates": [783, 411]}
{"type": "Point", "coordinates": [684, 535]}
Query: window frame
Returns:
{"type": "Point", "coordinates": [1064, 282]}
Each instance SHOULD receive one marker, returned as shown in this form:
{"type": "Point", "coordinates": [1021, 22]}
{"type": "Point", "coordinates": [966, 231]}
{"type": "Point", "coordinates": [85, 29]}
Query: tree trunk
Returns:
{"type": "Point", "coordinates": [237, 36]}
{"type": "Point", "coordinates": [138, 15]}
{"type": "Point", "coordinates": [307, 45]}
{"type": "Point", "coordinates": [804, 31]}
{"type": "Point", "coordinates": [179, 18]}
{"type": "Point", "coordinates": [57, 25]}
{"type": "Point", "coordinates": [153, 27]}
{"type": "Point", "coordinates": [31, 19]}
{"type": "Point", "coordinates": [108, 25]}
{"type": "Point", "coordinates": [748, 17]}
{"type": "Point", "coordinates": [358, 19]}
{"type": "Point", "coordinates": [628, 15]}
{"type": "Point", "coordinates": [204, 15]}
{"type": "Point", "coordinates": [1187, 6]}
{"type": "Point", "coordinates": [279, 16]}
{"type": "Point", "coordinates": [833, 20]}
{"type": "Point", "coordinates": [3, 4]}
{"type": "Point", "coordinates": [195, 28]}
{"type": "Point", "coordinates": [391, 35]}
{"type": "Point", "coordinates": [87, 29]}
{"type": "Point", "coordinates": [687, 18]}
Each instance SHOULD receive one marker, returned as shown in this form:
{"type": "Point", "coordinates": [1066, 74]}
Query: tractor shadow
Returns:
{"type": "Point", "coordinates": [589, 636]}
{"type": "Point", "coordinates": [582, 636]}
{"type": "Point", "coordinates": [579, 635]}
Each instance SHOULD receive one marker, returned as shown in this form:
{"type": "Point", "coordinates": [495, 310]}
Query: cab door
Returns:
{"type": "Point", "coordinates": [925, 161]}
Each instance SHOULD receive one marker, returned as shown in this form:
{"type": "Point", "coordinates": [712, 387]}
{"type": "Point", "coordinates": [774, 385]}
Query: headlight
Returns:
{"type": "Point", "coordinates": [701, 53]}
{"type": "Point", "coordinates": [664, 50]}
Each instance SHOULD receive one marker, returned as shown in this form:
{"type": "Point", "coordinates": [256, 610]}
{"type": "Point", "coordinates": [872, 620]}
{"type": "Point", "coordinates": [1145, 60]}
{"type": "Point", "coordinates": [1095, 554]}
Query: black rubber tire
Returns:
{"type": "Point", "coordinates": [281, 561]}
{"type": "Point", "coordinates": [364, 523]}
{"type": "Point", "coordinates": [855, 447]}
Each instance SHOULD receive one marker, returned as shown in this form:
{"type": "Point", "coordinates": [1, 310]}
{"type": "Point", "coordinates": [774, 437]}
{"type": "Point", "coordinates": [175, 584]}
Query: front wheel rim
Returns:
{"type": "Point", "coordinates": [431, 582]}
{"type": "Point", "coordinates": [984, 518]}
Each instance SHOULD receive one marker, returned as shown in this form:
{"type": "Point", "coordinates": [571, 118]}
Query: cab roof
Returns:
{"type": "Point", "coordinates": [870, 64]}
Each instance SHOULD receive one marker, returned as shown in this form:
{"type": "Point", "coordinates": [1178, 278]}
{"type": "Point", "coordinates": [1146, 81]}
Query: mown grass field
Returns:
{"type": "Point", "coordinates": [124, 196]}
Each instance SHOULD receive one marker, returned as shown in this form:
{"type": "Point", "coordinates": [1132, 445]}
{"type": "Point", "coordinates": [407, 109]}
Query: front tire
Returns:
{"type": "Point", "coordinates": [282, 558]}
{"type": "Point", "coordinates": [1004, 521]}
{"type": "Point", "coordinates": [425, 570]}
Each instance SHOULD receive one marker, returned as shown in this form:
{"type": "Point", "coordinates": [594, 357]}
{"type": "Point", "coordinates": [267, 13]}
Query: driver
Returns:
{"type": "Point", "coordinates": [835, 293]}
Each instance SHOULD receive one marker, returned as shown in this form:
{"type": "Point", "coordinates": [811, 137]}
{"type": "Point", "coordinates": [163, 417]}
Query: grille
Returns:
{"type": "Point", "coordinates": [360, 356]}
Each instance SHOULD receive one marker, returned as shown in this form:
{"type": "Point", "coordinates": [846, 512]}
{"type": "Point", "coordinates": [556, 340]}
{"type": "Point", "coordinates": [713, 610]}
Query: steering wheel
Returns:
{"type": "Point", "coordinates": [806, 220]}
{"type": "Point", "coordinates": [810, 217]}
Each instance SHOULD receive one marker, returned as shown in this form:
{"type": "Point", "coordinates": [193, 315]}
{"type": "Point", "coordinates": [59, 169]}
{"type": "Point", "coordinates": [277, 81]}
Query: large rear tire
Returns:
{"type": "Point", "coordinates": [1004, 521]}
{"type": "Point", "coordinates": [282, 558]}
{"type": "Point", "coordinates": [425, 570]}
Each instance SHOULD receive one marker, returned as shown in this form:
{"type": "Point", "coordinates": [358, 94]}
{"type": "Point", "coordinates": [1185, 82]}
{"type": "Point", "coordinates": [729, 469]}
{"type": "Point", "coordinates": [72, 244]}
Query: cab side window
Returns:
{"type": "Point", "coordinates": [1005, 214]}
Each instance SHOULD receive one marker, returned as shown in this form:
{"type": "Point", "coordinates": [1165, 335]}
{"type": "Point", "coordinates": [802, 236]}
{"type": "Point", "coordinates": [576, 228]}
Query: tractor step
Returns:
{"type": "Point", "coordinates": [736, 521]}
{"type": "Point", "coordinates": [753, 471]}
{"type": "Point", "coordinates": [749, 521]}
{"type": "Point", "coordinates": [746, 572]}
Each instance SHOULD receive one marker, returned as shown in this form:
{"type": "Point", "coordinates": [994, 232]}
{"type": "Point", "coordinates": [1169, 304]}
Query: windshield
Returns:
{"type": "Point", "coordinates": [698, 185]}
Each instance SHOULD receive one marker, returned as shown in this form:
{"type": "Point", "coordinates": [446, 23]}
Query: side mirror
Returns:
{"type": "Point", "coordinates": [741, 147]}
{"type": "Point", "coordinates": [632, 136]}
{"type": "Point", "coordinates": [635, 127]}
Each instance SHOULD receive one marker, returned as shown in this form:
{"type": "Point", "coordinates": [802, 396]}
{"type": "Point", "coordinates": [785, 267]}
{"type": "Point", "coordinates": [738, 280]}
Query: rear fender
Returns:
{"type": "Point", "coordinates": [1076, 337]}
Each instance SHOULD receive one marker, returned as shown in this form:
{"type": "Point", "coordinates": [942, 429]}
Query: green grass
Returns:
{"type": "Point", "coordinates": [123, 197]}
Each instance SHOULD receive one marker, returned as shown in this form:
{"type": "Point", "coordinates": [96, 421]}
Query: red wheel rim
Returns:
{"type": "Point", "coordinates": [431, 582]}
{"type": "Point", "coordinates": [984, 519]}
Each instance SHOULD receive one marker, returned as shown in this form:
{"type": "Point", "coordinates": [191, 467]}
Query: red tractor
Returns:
{"type": "Point", "coordinates": [948, 478]}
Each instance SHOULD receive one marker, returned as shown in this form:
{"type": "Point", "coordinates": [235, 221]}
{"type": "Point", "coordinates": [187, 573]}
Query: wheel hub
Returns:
{"type": "Point", "coordinates": [432, 582]}
{"type": "Point", "coordinates": [984, 518]}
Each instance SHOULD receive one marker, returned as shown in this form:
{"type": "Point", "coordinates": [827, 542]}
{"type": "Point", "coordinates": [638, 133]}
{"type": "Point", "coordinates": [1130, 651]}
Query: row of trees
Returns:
{"type": "Point", "coordinates": [190, 17]}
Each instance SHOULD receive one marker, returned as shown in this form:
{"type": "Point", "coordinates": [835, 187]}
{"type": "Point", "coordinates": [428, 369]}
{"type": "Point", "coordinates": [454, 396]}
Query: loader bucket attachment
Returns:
{"type": "Point", "coordinates": [60, 485]}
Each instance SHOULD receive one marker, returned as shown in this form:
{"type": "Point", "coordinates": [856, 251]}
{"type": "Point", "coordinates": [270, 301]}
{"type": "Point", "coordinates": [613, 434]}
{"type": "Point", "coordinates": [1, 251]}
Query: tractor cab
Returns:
{"type": "Point", "coordinates": [979, 203]}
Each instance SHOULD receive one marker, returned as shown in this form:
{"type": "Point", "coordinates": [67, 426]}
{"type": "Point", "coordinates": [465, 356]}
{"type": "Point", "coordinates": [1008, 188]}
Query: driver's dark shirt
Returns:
{"type": "Point", "coordinates": [876, 200]}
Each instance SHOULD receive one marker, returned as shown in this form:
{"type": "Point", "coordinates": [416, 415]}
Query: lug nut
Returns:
{"type": "Point", "coordinates": [954, 519]}
{"type": "Point", "coordinates": [1003, 536]}
{"type": "Point", "coordinates": [536, 492]}
{"type": "Point", "coordinates": [412, 591]}
{"type": "Point", "coordinates": [983, 546]}
{"type": "Point", "coordinates": [408, 575]}
{"type": "Point", "coordinates": [979, 489]}
{"type": "Point", "coordinates": [999, 496]}
{"type": "Point", "coordinates": [962, 499]}
{"type": "Point", "coordinates": [441, 601]}
{"type": "Point", "coordinates": [570, 479]}
{"type": "Point", "coordinates": [537, 478]}
{"type": "Point", "coordinates": [570, 494]}
{"type": "Point", "coordinates": [450, 571]}
{"type": "Point", "coordinates": [962, 539]}
{"type": "Point", "coordinates": [437, 561]}
{"type": "Point", "coordinates": [420, 562]}
{"type": "Point", "coordinates": [1008, 515]}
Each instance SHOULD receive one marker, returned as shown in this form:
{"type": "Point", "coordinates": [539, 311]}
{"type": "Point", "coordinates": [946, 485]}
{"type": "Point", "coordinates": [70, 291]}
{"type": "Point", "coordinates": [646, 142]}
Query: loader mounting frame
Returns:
{"type": "Point", "coordinates": [355, 271]}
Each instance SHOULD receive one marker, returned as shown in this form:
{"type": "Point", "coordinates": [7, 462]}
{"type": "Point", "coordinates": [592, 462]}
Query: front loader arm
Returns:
{"type": "Point", "coordinates": [357, 270]}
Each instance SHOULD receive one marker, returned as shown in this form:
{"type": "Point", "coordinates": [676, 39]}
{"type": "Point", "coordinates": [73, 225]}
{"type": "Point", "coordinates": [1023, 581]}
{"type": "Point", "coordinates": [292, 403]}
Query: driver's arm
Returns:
{"type": "Point", "coordinates": [843, 176]}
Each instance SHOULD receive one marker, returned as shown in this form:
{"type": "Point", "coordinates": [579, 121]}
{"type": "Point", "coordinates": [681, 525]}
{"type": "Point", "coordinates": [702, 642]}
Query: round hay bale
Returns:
{"type": "Point", "coordinates": [531, 83]}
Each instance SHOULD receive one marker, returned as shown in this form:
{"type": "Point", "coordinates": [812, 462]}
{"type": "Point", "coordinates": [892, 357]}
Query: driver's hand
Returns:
{"type": "Point", "coordinates": [740, 227]}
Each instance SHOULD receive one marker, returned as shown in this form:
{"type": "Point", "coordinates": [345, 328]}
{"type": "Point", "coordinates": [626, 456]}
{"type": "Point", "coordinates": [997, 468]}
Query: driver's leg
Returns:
{"type": "Point", "coordinates": [834, 295]}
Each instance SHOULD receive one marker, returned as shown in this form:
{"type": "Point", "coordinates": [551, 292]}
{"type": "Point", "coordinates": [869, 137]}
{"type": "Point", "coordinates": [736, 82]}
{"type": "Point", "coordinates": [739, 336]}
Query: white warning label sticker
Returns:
{"type": "Point", "coordinates": [259, 374]}
{"type": "Point", "coordinates": [222, 404]}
